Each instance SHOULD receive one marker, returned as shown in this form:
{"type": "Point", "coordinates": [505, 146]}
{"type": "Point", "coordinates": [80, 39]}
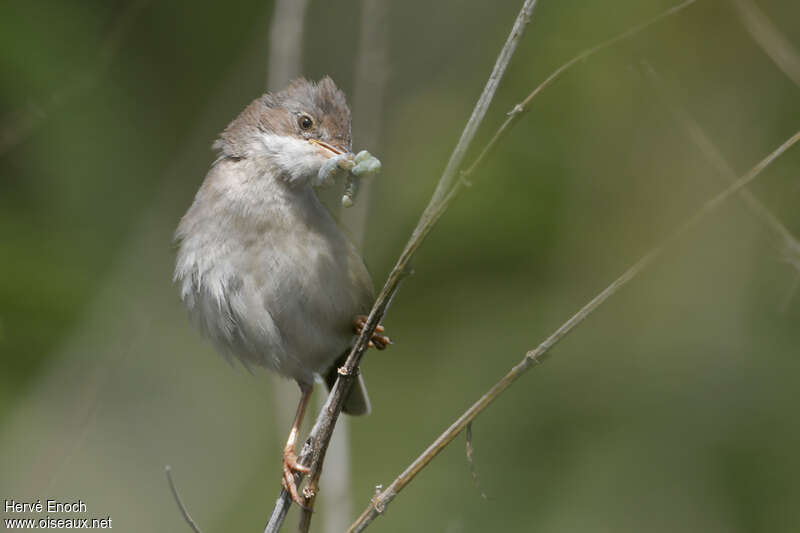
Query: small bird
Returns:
{"type": "Point", "coordinates": [262, 266]}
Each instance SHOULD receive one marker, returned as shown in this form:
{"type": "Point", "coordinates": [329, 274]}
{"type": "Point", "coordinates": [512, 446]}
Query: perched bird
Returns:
{"type": "Point", "coordinates": [262, 266]}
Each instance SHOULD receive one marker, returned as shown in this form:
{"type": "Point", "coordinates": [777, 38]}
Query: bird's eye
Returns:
{"type": "Point", "coordinates": [305, 122]}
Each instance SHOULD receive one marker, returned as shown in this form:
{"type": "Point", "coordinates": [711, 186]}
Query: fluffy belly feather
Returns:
{"type": "Point", "coordinates": [284, 302]}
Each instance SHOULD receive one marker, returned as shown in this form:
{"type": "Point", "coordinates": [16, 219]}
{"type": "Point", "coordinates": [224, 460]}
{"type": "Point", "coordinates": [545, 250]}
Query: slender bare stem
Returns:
{"type": "Point", "coordinates": [179, 501]}
{"type": "Point", "coordinates": [764, 32]}
{"type": "Point", "coordinates": [534, 357]}
{"type": "Point", "coordinates": [449, 176]}
{"type": "Point", "coordinates": [313, 451]}
{"type": "Point", "coordinates": [785, 241]}
{"type": "Point", "coordinates": [450, 184]}
{"type": "Point", "coordinates": [516, 113]}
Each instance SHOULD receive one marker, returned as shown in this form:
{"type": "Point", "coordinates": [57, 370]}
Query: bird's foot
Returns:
{"type": "Point", "coordinates": [377, 341]}
{"type": "Point", "coordinates": [290, 467]}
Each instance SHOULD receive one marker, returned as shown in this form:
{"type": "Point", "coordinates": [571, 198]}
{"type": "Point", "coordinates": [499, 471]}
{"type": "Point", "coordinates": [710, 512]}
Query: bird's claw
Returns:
{"type": "Point", "coordinates": [381, 342]}
{"type": "Point", "coordinates": [290, 467]}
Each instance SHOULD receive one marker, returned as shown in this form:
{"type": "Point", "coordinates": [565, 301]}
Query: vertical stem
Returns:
{"type": "Point", "coordinates": [372, 72]}
{"type": "Point", "coordinates": [285, 42]}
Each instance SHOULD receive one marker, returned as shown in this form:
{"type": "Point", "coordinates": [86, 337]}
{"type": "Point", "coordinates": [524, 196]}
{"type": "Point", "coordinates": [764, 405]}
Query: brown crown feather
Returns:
{"type": "Point", "coordinates": [277, 113]}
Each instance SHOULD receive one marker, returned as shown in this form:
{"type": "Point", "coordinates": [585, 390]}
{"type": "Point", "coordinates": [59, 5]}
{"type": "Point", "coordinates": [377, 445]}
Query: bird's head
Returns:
{"type": "Point", "coordinates": [292, 132]}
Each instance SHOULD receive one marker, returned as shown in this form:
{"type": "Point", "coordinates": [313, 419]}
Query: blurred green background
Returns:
{"type": "Point", "coordinates": [674, 407]}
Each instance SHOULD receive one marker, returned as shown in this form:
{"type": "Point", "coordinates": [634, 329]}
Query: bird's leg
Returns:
{"type": "Point", "coordinates": [377, 341]}
{"type": "Point", "coordinates": [290, 464]}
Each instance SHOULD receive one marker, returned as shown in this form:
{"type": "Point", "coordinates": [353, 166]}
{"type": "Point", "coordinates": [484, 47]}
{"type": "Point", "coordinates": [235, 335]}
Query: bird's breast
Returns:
{"type": "Point", "coordinates": [279, 288]}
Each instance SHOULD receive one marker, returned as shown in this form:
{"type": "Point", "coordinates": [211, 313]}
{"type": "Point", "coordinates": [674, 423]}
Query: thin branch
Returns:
{"type": "Point", "coordinates": [518, 110]}
{"type": "Point", "coordinates": [177, 496]}
{"type": "Point", "coordinates": [448, 187]}
{"type": "Point", "coordinates": [777, 47]}
{"type": "Point", "coordinates": [323, 429]}
{"type": "Point", "coordinates": [313, 451]}
{"type": "Point", "coordinates": [279, 512]}
{"type": "Point", "coordinates": [449, 176]}
{"type": "Point", "coordinates": [534, 357]}
{"type": "Point", "coordinates": [786, 243]}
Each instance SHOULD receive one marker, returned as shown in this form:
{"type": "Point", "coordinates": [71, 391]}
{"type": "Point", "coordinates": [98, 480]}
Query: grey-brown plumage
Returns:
{"type": "Point", "coordinates": [262, 266]}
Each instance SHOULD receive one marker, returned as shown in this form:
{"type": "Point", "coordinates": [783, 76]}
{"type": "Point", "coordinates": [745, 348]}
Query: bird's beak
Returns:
{"type": "Point", "coordinates": [332, 148]}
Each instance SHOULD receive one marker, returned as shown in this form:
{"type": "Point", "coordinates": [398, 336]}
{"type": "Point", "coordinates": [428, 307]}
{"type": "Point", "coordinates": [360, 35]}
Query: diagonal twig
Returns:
{"type": "Point", "coordinates": [175, 494]}
{"type": "Point", "coordinates": [516, 113]}
{"type": "Point", "coordinates": [534, 357]}
{"type": "Point", "coordinates": [784, 240]}
{"type": "Point", "coordinates": [764, 32]}
{"type": "Point", "coordinates": [313, 451]}
{"type": "Point", "coordinates": [369, 88]}
{"type": "Point", "coordinates": [450, 184]}
{"type": "Point", "coordinates": [521, 108]}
